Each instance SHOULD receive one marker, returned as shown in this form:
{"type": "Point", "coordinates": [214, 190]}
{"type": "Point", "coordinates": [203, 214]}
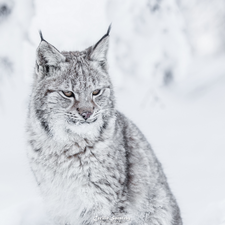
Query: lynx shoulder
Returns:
{"type": "Point", "coordinates": [92, 164]}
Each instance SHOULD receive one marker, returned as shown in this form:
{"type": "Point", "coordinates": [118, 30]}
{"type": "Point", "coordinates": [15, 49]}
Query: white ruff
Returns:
{"type": "Point", "coordinates": [65, 132]}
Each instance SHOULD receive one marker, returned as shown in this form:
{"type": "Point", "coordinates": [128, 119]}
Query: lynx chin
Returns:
{"type": "Point", "coordinates": [88, 159]}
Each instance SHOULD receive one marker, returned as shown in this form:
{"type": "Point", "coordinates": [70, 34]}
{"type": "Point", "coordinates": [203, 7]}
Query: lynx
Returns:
{"type": "Point", "coordinates": [91, 163]}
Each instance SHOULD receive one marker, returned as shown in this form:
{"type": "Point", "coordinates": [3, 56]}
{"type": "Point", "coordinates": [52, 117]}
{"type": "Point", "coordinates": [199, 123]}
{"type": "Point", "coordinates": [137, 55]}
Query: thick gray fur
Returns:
{"type": "Point", "coordinates": [101, 170]}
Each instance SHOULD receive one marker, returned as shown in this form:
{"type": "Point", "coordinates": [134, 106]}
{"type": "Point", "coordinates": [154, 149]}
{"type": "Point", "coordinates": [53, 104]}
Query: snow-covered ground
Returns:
{"type": "Point", "coordinates": [183, 118]}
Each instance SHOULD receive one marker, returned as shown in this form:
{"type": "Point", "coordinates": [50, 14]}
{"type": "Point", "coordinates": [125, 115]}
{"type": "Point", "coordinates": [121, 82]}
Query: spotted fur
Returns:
{"type": "Point", "coordinates": [98, 170]}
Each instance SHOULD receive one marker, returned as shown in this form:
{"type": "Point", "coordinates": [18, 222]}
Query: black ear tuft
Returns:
{"type": "Point", "coordinates": [106, 35]}
{"type": "Point", "coordinates": [109, 29]}
{"type": "Point", "coordinates": [99, 51]}
{"type": "Point", "coordinates": [47, 58]}
{"type": "Point", "coordinates": [41, 36]}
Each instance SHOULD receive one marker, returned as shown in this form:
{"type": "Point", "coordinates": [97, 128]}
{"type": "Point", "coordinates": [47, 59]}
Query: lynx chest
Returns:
{"type": "Point", "coordinates": [81, 181]}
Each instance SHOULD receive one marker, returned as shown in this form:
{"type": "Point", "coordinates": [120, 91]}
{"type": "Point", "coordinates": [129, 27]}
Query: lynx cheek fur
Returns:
{"type": "Point", "coordinates": [92, 164]}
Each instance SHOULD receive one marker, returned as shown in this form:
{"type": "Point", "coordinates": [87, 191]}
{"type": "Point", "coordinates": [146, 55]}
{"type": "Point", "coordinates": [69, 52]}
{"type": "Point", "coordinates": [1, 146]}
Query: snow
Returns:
{"type": "Point", "coordinates": [183, 118]}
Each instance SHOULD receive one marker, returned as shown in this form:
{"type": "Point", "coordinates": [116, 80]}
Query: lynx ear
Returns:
{"type": "Point", "coordinates": [100, 49]}
{"type": "Point", "coordinates": [47, 56]}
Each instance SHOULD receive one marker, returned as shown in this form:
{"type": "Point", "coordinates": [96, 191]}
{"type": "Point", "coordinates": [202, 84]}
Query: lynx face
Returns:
{"type": "Point", "coordinates": [72, 90]}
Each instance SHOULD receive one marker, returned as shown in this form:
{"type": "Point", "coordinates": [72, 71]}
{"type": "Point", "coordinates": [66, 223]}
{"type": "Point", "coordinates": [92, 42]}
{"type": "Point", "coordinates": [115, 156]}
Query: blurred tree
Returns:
{"type": "Point", "coordinates": [14, 24]}
{"type": "Point", "coordinates": [151, 39]}
{"type": "Point", "coordinates": [6, 66]}
{"type": "Point", "coordinates": [205, 21]}
{"type": "Point", "coordinates": [5, 9]}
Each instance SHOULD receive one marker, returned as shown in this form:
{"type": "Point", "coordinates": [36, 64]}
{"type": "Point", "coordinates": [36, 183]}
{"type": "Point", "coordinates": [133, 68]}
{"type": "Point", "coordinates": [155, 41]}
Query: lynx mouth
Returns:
{"type": "Point", "coordinates": [90, 121]}
{"type": "Point", "coordinates": [80, 122]}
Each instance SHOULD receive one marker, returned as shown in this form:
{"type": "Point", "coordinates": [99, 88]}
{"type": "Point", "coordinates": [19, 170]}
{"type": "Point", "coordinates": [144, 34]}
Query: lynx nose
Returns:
{"type": "Point", "coordinates": [86, 115]}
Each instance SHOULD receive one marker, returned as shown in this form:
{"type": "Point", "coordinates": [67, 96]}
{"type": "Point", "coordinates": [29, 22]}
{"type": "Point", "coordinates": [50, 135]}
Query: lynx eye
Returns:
{"type": "Point", "coordinates": [68, 93]}
{"type": "Point", "coordinates": [96, 92]}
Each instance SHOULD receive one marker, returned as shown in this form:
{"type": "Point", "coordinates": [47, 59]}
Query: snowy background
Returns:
{"type": "Point", "coordinates": [167, 63]}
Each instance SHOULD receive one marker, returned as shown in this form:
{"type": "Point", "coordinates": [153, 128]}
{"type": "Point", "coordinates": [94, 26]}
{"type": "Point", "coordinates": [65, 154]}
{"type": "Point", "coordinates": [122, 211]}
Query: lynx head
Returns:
{"type": "Point", "coordinates": [72, 92]}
